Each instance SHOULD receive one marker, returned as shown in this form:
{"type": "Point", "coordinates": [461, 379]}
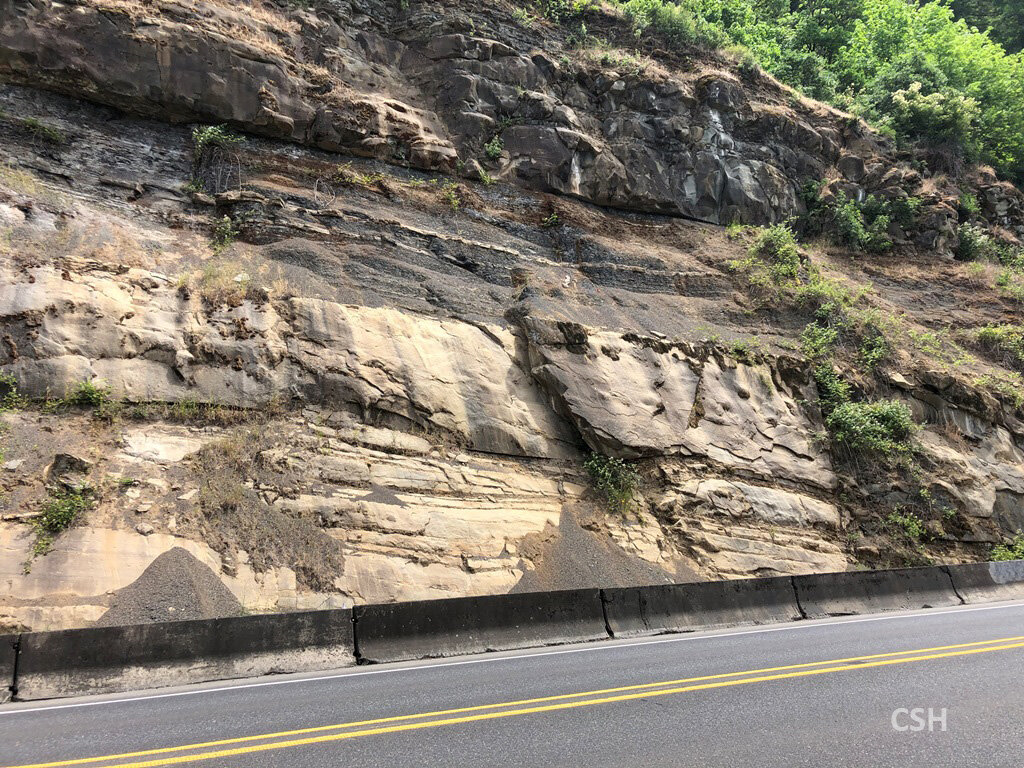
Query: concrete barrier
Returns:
{"type": "Point", "coordinates": [706, 605]}
{"type": "Point", "coordinates": [433, 628]}
{"type": "Point", "coordinates": [108, 659]}
{"type": "Point", "coordinates": [989, 582]}
{"type": "Point", "coordinates": [857, 592]}
{"type": "Point", "coordinates": [8, 660]}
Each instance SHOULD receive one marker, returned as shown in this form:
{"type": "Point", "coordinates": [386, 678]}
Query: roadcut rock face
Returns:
{"type": "Point", "coordinates": [358, 346]}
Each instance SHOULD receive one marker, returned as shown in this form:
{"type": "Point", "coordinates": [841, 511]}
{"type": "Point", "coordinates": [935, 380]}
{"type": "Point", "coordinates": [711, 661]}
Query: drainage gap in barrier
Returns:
{"type": "Point", "coordinates": [945, 569]}
{"type": "Point", "coordinates": [604, 613]}
{"type": "Point", "coordinates": [796, 594]}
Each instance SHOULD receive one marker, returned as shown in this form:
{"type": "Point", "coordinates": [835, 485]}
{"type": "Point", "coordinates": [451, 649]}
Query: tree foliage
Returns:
{"type": "Point", "coordinates": [928, 71]}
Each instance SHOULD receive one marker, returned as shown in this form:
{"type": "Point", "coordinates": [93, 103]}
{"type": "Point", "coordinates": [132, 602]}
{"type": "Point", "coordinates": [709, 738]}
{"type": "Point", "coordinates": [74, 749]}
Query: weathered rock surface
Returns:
{"type": "Point", "coordinates": [385, 387]}
{"type": "Point", "coordinates": [363, 80]}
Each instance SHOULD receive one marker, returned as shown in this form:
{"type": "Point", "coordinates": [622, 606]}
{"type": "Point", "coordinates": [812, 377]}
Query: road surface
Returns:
{"type": "Point", "coordinates": [854, 691]}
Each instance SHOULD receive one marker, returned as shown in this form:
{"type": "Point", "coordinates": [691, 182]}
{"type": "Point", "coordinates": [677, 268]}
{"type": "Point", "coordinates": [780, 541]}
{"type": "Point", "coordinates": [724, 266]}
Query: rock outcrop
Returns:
{"type": "Point", "coordinates": [352, 355]}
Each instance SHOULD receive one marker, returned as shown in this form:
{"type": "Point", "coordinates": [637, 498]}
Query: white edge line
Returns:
{"type": "Point", "coordinates": [488, 658]}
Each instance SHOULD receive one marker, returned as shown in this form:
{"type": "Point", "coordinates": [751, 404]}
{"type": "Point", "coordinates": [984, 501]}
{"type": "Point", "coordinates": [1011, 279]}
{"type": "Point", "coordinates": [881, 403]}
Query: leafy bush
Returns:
{"type": "Point", "coordinates": [673, 22]}
{"type": "Point", "coordinates": [58, 514]}
{"type": "Point", "coordinates": [1007, 341]}
{"type": "Point", "coordinates": [224, 234]}
{"type": "Point", "coordinates": [944, 119]}
{"type": "Point", "coordinates": [86, 394]}
{"type": "Point", "coordinates": [562, 11]}
{"type": "Point", "coordinates": [862, 225]}
{"type": "Point", "coordinates": [906, 524]}
{"type": "Point", "coordinates": [773, 259]}
{"type": "Point", "coordinates": [817, 341]}
{"type": "Point", "coordinates": [1012, 550]}
{"type": "Point", "coordinates": [883, 427]}
{"type": "Point", "coordinates": [968, 204]}
{"type": "Point", "coordinates": [208, 136]}
{"type": "Point", "coordinates": [874, 349]}
{"type": "Point", "coordinates": [494, 148]}
{"type": "Point", "coordinates": [10, 398]}
{"type": "Point", "coordinates": [615, 478]}
{"type": "Point", "coordinates": [1011, 282]}
{"type": "Point", "coordinates": [833, 389]}
{"type": "Point", "coordinates": [975, 244]}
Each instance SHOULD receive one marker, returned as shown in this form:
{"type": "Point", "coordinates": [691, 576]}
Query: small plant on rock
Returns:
{"type": "Point", "coordinates": [494, 147]}
{"type": "Point", "coordinates": [906, 524]}
{"type": "Point", "coordinates": [10, 398]}
{"type": "Point", "coordinates": [615, 478]}
{"type": "Point", "coordinates": [224, 234]}
{"type": "Point", "coordinates": [773, 260]}
{"type": "Point", "coordinates": [1004, 341]}
{"type": "Point", "coordinates": [209, 136]}
{"type": "Point", "coordinates": [59, 513]}
{"type": "Point", "coordinates": [1010, 550]}
{"type": "Point", "coordinates": [86, 394]}
{"type": "Point", "coordinates": [881, 428]}
{"type": "Point", "coordinates": [968, 204]}
{"type": "Point", "coordinates": [450, 194]}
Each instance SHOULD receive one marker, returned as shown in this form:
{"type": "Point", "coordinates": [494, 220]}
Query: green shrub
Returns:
{"type": "Point", "coordinates": [883, 427]}
{"type": "Point", "coordinates": [874, 349]}
{"type": "Point", "coordinates": [906, 524]}
{"type": "Point", "coordinates": [975, 244]}
{"type": "Point", "coordinates": [615, 478]}
{"type": "Point", "coordinates": [833, 389]}
{"type": "Point", "coordinates": [676, 23]}
{"type": "Point", "coordinates": [777, 247]}
{"type": "Point", "coordinates": [861, 225]}
{"type": "Point", "coordinates": [969, 204]}
{"type": "Point", "coordinates": [59, 513]}
{"type": "Point", "coordinates": [10, 398]}
{"type": "Point", "coordinates": [940, 119]}
{"type": "Point", "coordinates": [773, 260]}
{"type": "Point", "coordinates": [494, 148]}
{"type": "Point", "coordinates": [1011, 282]}
{"type": "Point", "coordinates": [224, 234]}
{"type": "Point", "coordinates": [817, 341]}
{"type": "Point", "coordinates": [41, 130]}
{"type": "Point", "coordinates": [824, 297]}
{"type": "Point", "coordinates": [450, 194]}
{"type": "Point", "coordinates": [86, 394]}
{"type": "Point", "coordinates": [1011, 550]}
{"type": "Point", "coordinates": [561, 11]}
{"type": "Point", "coordinates": [209, 136]}
{"type": "Point", "coordinates": [1006, 341]}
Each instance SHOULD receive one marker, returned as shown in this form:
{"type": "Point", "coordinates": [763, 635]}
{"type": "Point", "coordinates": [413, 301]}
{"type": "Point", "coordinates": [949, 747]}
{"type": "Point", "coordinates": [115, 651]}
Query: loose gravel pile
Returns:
{"type": "Point", "coordinates": [175, 586]}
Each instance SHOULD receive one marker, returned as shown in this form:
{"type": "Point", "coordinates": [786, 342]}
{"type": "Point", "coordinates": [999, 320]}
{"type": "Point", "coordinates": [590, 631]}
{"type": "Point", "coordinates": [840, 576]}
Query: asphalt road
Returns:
{"type": "Point", "coordinates": [803, 694]}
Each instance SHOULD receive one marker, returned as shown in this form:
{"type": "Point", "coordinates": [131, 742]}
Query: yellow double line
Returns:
{"type": "Point", "coordinates": [285, 739]}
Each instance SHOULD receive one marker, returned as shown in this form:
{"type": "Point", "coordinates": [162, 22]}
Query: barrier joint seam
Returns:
{"type": "Point", "coordinates": [604, 613]}
{"type": "Point", "coordinates": [355, 638]}
{"type": "Point", "coordinates": [796, 595]}
{"type": "Point", "coordinates": [952, 582]}
{"type": "Point", "coordinates": [14, 672]}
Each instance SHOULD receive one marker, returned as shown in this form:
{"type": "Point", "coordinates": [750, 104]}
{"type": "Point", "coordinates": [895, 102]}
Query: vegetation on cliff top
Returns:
{"type": "Point", "coordinates": [914, 69]}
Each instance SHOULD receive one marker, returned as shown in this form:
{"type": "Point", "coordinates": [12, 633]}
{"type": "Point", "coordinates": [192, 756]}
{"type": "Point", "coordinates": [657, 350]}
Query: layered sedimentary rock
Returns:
{"type": "Point", "coordinates": [352, 355]}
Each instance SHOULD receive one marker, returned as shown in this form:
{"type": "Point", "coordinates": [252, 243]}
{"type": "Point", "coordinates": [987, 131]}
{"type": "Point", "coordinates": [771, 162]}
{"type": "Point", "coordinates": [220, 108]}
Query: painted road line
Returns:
{"type": "Point", "coordinates": [638, 692]}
